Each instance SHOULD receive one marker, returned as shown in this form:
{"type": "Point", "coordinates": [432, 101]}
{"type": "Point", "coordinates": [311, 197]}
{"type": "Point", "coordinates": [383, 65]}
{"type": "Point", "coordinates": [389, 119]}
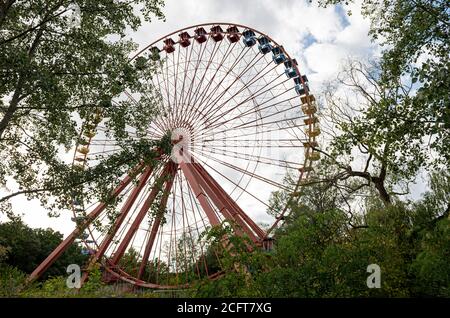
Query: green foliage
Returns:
{"type": "Point", "coordinates": [414, 67]}
{"type": "Point", "coordinates": [326, 253]}
{"type": "Point", "coordinates": [12, 280]}
{"type": "Point", "coordinates": [27, 248]}
{"type": "Point", "coordinates": [94, 283]}
{"type": "Point", "coordinates": [54, 77]}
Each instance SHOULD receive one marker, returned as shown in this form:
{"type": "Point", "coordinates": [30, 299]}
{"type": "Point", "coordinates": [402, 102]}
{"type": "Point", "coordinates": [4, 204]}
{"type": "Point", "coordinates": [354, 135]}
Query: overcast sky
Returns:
{"type": "Point", "coordinates": [319, 38]}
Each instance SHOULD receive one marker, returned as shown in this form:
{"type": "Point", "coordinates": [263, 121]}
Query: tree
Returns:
{"type": "Point", "coordinates": [365, 146]}
{"type": "Point", "coordinates": [415, 36]}
{"type": "Point", "coordinates": [56, 79]}
{"type": "Point", "coordinates": [27, 248]}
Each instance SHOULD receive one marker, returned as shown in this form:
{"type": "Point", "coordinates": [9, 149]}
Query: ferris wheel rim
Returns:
{"type": "Point", "coordinates": [138, 53]}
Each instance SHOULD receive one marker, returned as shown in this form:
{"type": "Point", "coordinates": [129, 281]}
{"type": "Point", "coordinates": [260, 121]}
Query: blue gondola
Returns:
{"type": "Point", "coordinates": [278, 55]}
{"type": "Point", "coordinates": [264, 45]}
{"type": "Point", "coordinates": [249, 38]}
{"type": "Point", "coordinates": [291, 69]}
{"type": "Point", "coordinates": [299, 87]}
{"type": "Point", "coordinates": [87, 251]}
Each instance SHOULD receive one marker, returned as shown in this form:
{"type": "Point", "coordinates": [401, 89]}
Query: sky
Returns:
{"type": "Point", "coordinates": [320, 39]}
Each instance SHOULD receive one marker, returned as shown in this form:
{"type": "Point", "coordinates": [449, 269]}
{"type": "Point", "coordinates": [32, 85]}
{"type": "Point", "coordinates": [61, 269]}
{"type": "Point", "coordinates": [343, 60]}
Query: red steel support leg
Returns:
{"type": "Point", "coordinates": [141, 215]}
{"type": "Point", "coordinates": [200, 195]}
{"type": "Point", "coordinates": [215, 193]}
{"type": "Point", "coordinates": [123, 213]}
{"type": "Point", "coordinates": [234, 206]}
{"type": "Point", "coordinates": [156, 224]}
{"type": "Point", "coordinates": [68, 241]}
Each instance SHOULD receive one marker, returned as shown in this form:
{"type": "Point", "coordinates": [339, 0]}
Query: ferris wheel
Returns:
{"type": "Point", "coordinates": [241, 117]}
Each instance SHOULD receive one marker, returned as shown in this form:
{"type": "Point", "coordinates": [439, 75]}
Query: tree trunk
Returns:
{"type": "Point", "coordinates": [17, 96]}
{"type": "Point", "coordinates": [384, 195]}
{"type": "Point", "coordinates": [12, 107]}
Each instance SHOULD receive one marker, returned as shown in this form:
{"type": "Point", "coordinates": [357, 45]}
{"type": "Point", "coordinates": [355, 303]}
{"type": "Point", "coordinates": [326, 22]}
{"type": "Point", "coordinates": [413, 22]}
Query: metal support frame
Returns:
{"type": "Point", "coordinates": [157, 221]}
{"type": "Point", "coordinates": [123, 213]}
{"type": "Point", "coordinates": [68, 241]}
{"type": "Point", "coordinates": [143, 211]}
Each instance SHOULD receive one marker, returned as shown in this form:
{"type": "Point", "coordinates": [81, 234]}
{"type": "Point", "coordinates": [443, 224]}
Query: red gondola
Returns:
{"type": "Point", "coordinates": [233, 34]}
{"type": "Point", "coordinates": [184, 39]}
{"type": "Point", "coordinates": [200, 35]}
{"type": "Point", "coordinates": [169, 45]}
{"type": "Point", "coordinates": [217, 33]}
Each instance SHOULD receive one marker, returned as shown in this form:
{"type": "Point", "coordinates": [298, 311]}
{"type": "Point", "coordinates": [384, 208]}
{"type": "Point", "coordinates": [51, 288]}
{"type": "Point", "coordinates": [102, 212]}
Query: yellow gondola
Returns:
{"type": "Point", "coordinates": [83, 150]}
{"type": "Point", "coordinates": [314, 132]}
{"type": "Point", "coordinates": [89, 133]}
{"type": "Point", "coordinates": [309, 109]}
{"type": "Point", "coordinates": [313, 156]}
{"type": "Point", "coordinates": [311, 120]}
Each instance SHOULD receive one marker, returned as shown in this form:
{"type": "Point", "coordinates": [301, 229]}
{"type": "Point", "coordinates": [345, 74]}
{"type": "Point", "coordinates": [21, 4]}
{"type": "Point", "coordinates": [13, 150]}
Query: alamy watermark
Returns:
{"type": "Point", "coordinates": [74, 279]}
{"type": "Point", "coordinates": [374, 279]}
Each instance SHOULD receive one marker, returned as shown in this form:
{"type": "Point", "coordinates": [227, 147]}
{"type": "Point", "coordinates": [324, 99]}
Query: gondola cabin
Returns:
{"type": "Point", "coordinates": [300, 88]}
{"type": "Point", "coordinates": [169, 46]}
{"type": "Point", "coordinates": [200, 35]}
{"type": "Point", "coordinates": [184, 39]}
{"type": "Point", "coordinates": [217, 33]}
{"type": "Point", "coordinates": [264, 45]}
{"type": "Point", "coordinates": [278, 55]}
{"type": "Point", "coordinates": [291, 68]}
{"type": "Point", "coordinates": [233, 34]}
{"type": "Point", "coordinates": [249, 38]}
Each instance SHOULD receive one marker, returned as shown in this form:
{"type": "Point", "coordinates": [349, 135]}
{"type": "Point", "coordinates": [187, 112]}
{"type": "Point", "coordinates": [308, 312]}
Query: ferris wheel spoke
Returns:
{"type": "Point", "coordinates": [164, 108]}
{"type": "Point", "coordinates": [199, 61]}
{"type": "Point", "coordinates": [255, 60]}
{"type": "Point", "coordinates": [207, 97]}
{"type": "Point", "coordinates": [254, 110]}
{"type": "Point", "coordinates": [175, 82]}
{"type": "Point", "coordinates": [229, 71]}
{"type": "Point", "coordinates": [265, 124]}
{"type": "Point", "coordinates": [252, 96]}
{"type": "Point", "coordinates": [199, 85]}
{"type": "Point", "coordinates": [252, 64]}
{"type": "Point", "coordinates": [248, 157]}
{"type": "Point", "coordinates": [186, 71]}
{"type": "Point", "coordinates": [194, 90]}
{"type": "Point", "coordinates": [198, 101]}
{"type": "Point", "coordinates": [155, 122]}
{"type": "Point", "coordinates": [241, 170]}
{"type": "Point", "coordinates": [235, 184]}
{"type": "Point", "coordinates": [257, 106]}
